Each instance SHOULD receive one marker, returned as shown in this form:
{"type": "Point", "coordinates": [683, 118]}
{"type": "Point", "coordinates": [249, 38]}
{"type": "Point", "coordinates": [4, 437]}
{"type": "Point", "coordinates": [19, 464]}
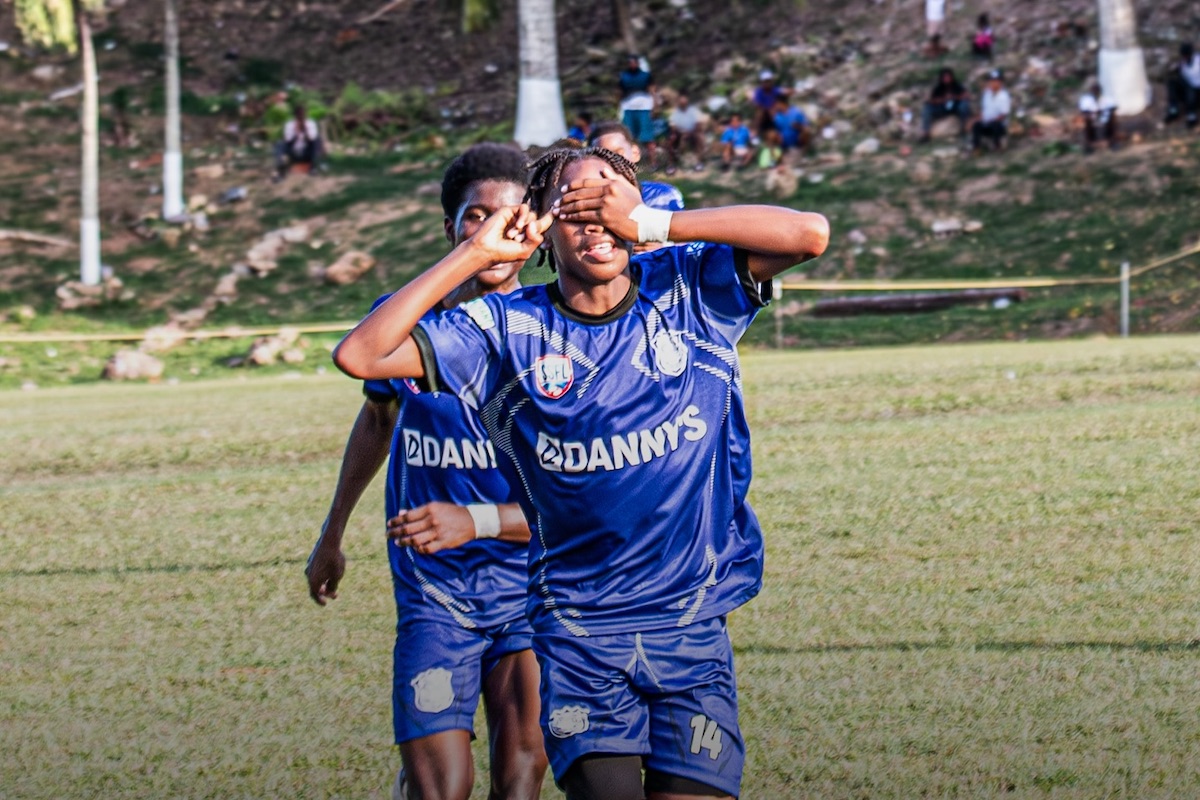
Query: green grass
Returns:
{"type": "Point", "coordinates": [981, 582]}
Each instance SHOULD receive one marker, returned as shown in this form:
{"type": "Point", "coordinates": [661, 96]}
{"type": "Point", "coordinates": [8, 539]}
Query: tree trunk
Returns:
{"type": "Point", "coordinates": [540, 119]}
{"type": "Point", "coordinates": [173, 207]}
{"type": "Point", "coordinates": [1122, 64]}
{"type": "Point", "coordinates": [89, 201]}
{"type": "Point", "coordinates": [624, 25]}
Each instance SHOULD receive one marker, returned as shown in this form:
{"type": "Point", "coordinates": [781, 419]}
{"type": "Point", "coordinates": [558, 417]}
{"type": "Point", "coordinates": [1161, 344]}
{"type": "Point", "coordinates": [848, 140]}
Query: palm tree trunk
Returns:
{"type": "Point", "coordinates": [540, 119]}
{"type": "Point", "coordinates": [1122, 63]}
{"type": "Point", "coordinates": [624, 23]}
{"type": "Point", "coordinates": [89, 201]}
{"type": "Point", "coordinates": [173, 207]}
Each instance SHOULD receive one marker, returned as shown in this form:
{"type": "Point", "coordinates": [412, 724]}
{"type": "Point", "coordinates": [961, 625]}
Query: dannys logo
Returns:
{"type": "Point", "coordinates": [622, 449]}
{"type": "Point", "coordinates": [422, 450]}
{"type": "Point", "coordinates": [553, 376]}
{"type": "Point", "coordinates": [568, 721]}
{"type": "Point", "coordinates": [670, 353]}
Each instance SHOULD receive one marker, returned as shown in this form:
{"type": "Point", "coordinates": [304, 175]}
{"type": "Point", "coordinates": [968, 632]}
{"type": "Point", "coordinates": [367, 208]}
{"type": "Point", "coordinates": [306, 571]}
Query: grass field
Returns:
{"type": "Point", "coordinates": [983, 581]}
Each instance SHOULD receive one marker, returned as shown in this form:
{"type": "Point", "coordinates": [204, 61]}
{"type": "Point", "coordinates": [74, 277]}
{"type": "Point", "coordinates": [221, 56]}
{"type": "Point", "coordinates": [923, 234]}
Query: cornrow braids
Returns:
{"type": "Point", "coordinates": [485, 161]}
{"type": "Point", "coordinates": [546, 172]}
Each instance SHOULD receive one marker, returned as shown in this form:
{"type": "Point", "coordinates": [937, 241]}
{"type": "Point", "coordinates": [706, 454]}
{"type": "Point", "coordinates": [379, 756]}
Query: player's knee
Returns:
{"type": "Point", "coordinates": [604, 777]}
{"type": "Point", "coordinates": [440, 784]}
{"type": "Point", "coordinates": [520, 775]}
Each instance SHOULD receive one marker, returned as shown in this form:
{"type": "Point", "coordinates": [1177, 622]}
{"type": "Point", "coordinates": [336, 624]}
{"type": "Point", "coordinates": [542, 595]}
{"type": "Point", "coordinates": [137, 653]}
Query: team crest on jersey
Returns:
{"type": "Point", "coordinates": [432, 690]}
{"type": "Point", "coordinates": [670, 353]}
{"type": "Point", "coordinates": [568, 721]}
{"type": "Point", "coordinates": [553, 376]}
{"type": "Point", "coordinates": [412, 385]}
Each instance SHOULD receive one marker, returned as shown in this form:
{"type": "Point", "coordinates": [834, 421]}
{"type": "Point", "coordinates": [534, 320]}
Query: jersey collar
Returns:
{"type": "Point", "coordinates": [560, 303]}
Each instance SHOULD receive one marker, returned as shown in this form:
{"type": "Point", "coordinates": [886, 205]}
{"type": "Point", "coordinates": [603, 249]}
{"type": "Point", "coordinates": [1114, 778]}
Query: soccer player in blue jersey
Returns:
{"type": "Point", "coordinates": [458, 545]}
{"type": "Point", "coordinates": [616, 137]}
{"type": "Point", "coordinates": [614, 396]}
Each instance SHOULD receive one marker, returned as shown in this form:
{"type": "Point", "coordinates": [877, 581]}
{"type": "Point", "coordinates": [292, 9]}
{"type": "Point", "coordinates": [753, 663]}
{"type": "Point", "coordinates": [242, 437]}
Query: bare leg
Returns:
{"type": "Point", "coordinates": [510, 696]}
{"type": "Point", "coordinates": [439, 766]}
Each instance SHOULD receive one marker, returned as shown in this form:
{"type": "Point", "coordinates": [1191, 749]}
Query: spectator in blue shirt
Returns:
{"type": "Point", "coordinates": [736, 144]}
{"type": "Point", "coordinates": [765, 95]}
{"type": "Point", "coordinates": [581, 128]}
{"type": "Point", "coordinates": [792, 125]}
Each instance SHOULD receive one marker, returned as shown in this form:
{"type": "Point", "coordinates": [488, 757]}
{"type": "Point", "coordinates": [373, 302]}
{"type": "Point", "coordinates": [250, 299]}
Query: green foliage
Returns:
{"type": "Point", "coordinates": [478, 14]}
{"type": "Point", "coordinates": [377, 114]}
{"type": "Point", "coordinates": [51, 23]}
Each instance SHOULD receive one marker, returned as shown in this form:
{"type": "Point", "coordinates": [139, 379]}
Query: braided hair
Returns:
{"type": "Point", "coordinates": [485, 161]}
{"type": "Point", "coordinates": [546, 172]}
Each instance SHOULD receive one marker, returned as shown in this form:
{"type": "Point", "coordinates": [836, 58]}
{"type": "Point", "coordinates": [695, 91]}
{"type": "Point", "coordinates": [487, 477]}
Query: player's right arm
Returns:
{"type": "Point", "coordinates": [382, 347]}
{"type": "Point", "coordinates": [366, 449]}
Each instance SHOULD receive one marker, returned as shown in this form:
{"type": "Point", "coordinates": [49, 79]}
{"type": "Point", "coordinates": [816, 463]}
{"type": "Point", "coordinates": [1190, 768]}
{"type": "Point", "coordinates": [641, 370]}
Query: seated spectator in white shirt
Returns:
{"type": "Point", "coordinates": [994, 107]}
{"type": "Point", "coordinates": [1099, 112]}
{"type": "Point", "coordinates": [301, 144]}
{"type": "Point", "coordinates": [685, 132]}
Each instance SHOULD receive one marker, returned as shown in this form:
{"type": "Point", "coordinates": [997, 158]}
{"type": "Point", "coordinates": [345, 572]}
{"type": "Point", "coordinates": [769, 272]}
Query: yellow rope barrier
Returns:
{"type": "Point", "coordinates": [996, 283]}
{"type": "Point", "coordinates": [232, 332]}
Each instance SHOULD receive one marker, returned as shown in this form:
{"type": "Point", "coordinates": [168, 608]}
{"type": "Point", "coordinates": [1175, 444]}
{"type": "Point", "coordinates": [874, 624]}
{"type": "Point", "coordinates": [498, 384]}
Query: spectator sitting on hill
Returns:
{"type": "Point", "coordinates": [765, 95]}
{"type": "Point", "coordinates": [685, 131]}
{"type": "Point", "coordinates": [770, 152]}
{"type": "Point", "coordinates": [984, 39]}
{"type": "Point", "coordinates": [736, 144]}
{"type": "Point", "coordinates": [637, 104]}
{"type": "Point", "coordinates": [947, 99]}
{"type": "Point", "coordinates": [1183, 86]}
{"type": "Point", "coordinates": [581, 127]}
{"type": "Point", "coordinates": [1099, 112]}
{"type": "Point", "coordinates": [994, 107]}
{"type": "Point", "coordinates": [792, 125]}
{"type": "Point", "coordinates": [301, 144]}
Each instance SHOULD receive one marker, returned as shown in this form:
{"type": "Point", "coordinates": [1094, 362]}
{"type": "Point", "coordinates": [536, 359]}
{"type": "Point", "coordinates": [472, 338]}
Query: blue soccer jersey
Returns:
{"type": "Point", "coordinates": [661, 195]}
{"type": "Point", "coordinates": [440, 452]}
{"type": "Point", "coordinates": [628, 435]}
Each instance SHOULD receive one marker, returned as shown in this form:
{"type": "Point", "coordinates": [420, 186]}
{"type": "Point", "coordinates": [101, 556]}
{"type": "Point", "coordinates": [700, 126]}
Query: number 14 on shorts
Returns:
{"type": "Point", "coordinates": [706, 736]}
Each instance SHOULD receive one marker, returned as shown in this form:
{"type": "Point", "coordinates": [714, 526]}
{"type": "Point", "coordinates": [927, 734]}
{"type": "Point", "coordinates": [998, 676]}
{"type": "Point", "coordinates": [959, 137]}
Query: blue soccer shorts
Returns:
{"type": "Point", "coordinates": [640, 125]}
{"type": "Point", "coordinates": [438, 672]}
{"type": "Point", "coordinates": [667, 695]}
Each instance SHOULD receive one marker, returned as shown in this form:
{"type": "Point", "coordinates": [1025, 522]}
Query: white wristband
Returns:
{"type": "Point", "coordinates": [486, 518]}
{"type": "Point", "coordinates": [654, 224]}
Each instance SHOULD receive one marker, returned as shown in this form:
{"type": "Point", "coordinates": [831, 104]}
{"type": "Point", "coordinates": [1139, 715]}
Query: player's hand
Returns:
{"type": "Point", "coordinates": [432, 527]}
{"type": "Point", "coordinates": [607, 200]}
{"type": "Point", "coordinates": [326, 566]}
{"type": "Point", "coordinates": [511, 234]}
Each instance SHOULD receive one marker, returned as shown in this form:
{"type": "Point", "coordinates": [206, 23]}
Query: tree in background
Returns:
{"type": "Point", "coordinates": [64, 23]}
{"type": "Point", "coordinates": [173, 207]}
{"type": "Point", "coordinates": [1122, 63]}
{"type": "Point", "coordinates": [540, 118]}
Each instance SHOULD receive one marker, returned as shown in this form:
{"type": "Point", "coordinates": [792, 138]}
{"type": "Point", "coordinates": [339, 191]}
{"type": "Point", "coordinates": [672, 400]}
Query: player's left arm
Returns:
{"type": "Point", "coordinates": [774, 238]}
{"type": "Point", "coordinates": [441, 526]}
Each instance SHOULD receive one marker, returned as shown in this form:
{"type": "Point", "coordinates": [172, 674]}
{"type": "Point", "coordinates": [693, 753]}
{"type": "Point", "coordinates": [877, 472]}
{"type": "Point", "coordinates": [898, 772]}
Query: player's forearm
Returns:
{"type": "Point", "coordinates": [366, 450]}
{"type": "Point", "coordinates": [381, 346]}
{"type": "Point", "coordinates": [776, 238]}
{"type": "Point", "coordinates": [513, 526]}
